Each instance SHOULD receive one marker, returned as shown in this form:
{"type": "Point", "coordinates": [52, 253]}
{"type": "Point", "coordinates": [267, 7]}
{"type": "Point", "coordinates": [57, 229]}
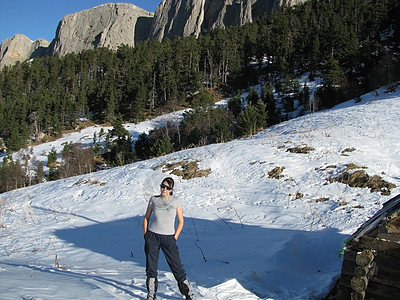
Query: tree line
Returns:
{"type": "Point", "coordinates": [352, 45]}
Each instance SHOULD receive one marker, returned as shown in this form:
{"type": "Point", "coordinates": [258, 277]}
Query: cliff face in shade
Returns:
{"type": "Point", "coordinates": [20, 48]}
{"type": "Point", "coordinates": [109, 25]}
{"type": "Point", "coordinates": [192, 17]}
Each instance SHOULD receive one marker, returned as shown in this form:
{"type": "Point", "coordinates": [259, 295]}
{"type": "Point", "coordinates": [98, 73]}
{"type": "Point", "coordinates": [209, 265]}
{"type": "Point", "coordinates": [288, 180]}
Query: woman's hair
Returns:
{"type": "Point", "coordinates": [170, 182]}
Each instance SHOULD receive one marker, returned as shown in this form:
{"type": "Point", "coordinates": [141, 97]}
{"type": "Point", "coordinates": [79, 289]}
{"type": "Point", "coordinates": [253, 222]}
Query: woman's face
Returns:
{"type": "Point", "coordinates": [165, 189]}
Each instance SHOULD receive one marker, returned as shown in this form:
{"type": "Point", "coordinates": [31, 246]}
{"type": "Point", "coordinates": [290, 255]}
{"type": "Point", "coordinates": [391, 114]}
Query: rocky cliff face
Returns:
{"type": "Point", "coordinates": [113, 24]}
{"type": "Point", "coordinates": [192, 17]}
{"type": "Point", "coordinates": [109, 25]}
{"type": "Point", "coordinates": [20, 48]}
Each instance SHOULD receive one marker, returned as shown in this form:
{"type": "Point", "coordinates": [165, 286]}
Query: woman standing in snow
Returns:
{"type": "Point", "coordinates": [161, 233]}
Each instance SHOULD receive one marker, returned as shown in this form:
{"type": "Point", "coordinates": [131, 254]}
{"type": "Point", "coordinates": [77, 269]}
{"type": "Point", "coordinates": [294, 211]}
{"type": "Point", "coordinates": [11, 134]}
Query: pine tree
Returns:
{"type": "Point", "coordinates": [253, 98]}
{"type": "Point", "coordinates": [142, 146]}
{"type": "Point", "coordinates": [40, 172]}
{"type": "Point", "coordinates": [16, 141]}
{"type": "Point", "coordinates": [235, 104]}
{"type": "Point", "coordinates": [268, 99]}
{"type": "Point", "coordinates": [162, 147]}
{"type": "Point", "coordinates": [120, 149]}
{"type": "Point", "coordinates": [52, 164]}
{"type": "Point", "coordinates": [11, 175]}
{"type": "Point", "coordinates": [52, 157]}
{"type": "Point", "coordinates": [220, 129]}
{"type": "Point", "coordinates": [333, 74]}
{"type": "Point", "coordinates": [247, 121]}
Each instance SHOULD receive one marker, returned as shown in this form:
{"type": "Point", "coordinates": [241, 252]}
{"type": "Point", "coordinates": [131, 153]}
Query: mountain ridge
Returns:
{"type": "Point", "coordinates": [113, 24]}
{"type": "Point", "coordinates": [109, 25]}
{"type": "Point", "coordinates": [20, 48]}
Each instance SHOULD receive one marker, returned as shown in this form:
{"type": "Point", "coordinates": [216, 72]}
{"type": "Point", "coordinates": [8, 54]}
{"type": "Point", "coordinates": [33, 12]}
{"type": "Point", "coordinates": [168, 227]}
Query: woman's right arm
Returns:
{"type": "Point", "coordinates": [147, 218]}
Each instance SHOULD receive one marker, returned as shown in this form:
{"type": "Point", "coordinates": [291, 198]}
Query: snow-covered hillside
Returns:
{"type": "Point", "coordinates": [246, 235]}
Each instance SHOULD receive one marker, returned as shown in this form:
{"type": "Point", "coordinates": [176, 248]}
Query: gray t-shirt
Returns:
{"type": "Point", "coordinates": [163, 216]}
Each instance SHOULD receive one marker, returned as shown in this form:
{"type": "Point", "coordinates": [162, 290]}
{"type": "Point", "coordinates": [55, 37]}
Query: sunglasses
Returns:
{"type": "Point", "coordinates": [163, 186]}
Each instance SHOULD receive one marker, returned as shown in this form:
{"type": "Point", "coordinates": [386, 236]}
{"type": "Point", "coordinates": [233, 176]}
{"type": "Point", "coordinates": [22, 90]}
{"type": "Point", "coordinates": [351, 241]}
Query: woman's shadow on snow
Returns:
{"type": "Point", "coordinates": [215, 251]}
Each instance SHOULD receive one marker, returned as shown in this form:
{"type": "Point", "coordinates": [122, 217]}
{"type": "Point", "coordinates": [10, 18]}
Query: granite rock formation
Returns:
{"type": "Point", "coordinates": [20, 48]}
{"type": "Point", "coordinates": [192, 17]}
{"type": "Point", "coordinates": [113, 24]}
{"type": "Point", "coordinates": [108, 25]}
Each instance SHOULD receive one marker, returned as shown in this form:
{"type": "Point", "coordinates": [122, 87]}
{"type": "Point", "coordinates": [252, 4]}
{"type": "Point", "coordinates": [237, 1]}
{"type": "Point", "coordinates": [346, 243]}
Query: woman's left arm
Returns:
{"type": "Point", "coordinates": [146, 218]}
{"type": "Point", "coordinates": [179, 227]}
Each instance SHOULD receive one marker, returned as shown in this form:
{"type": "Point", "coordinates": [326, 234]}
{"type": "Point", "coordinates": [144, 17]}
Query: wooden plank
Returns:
{"type": "Point", "coordinates": [389, 262]}
{"type": "Point", "coordinates": [393, 225]}
{"type": "Point", "coordinates": [345, 281]}
{"type": "Point", "coordinates": [378, 245]}
{"type": "Point", "coordinates": [348, 267]}
{"type": "Point", "coordinates": [391, 237]}
{"type": "Point", "coordinates": [343, 293]}
{"type": "Point", "coordinates": [386, 276]}
{"type": "Point", "coordinates": [374, 290]}
{"type": "Point", "coordinates": [350, 255]}
{"type": "Point", "coordinates": [381, 292]}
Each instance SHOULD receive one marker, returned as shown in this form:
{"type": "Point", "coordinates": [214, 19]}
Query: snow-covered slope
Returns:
{"type": "Point", "coordinates": [246, 235]}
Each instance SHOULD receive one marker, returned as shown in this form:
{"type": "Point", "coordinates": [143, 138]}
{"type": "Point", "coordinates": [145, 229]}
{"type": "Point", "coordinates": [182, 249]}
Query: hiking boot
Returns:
{"type": "Point", "coordinates": [152, 285]}
{"type": "Point", "coordinates": [186, 290]}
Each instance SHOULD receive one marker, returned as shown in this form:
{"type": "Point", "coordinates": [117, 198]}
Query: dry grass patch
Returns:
{"type": "Point", "coordinates": [347, 150]}
{"type": "Point", "coordinates": [360, 179]}
{"type": "Point", "coordinates": [353, 166]}
{"type": "Point", "coordinates": [89, 181]}
{"type": "Point", "coordinates": [299, 195]}
{"type": "Point", "coordinates": [322, 199]}
{"type": "Point", "coordinates": [276, 173]}
{"type": "Point", "coordinates": [300, 149]}
{"type": "Point", "coordinates": [186, 170]}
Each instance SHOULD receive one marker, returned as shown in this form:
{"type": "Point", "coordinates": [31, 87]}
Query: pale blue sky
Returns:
{"type": "Point", "coordinates": [39, 18]}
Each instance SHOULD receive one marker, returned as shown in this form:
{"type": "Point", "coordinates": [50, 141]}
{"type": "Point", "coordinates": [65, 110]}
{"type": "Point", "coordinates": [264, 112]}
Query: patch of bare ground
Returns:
{"type": "Point", "coordinates": [347, 150]}
{"type": "Point", "coordinates": [186, 170]}
{"type": "Point", "coordinates": [355, 176]}
{"type": "Point", "coordinates": [300, 149]}
{"type": "Point", "coordinates": [276, 173]}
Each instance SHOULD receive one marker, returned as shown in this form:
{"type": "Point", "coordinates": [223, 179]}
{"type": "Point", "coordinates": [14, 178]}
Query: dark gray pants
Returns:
{"type": "Point", "coordinates": [167, 243]}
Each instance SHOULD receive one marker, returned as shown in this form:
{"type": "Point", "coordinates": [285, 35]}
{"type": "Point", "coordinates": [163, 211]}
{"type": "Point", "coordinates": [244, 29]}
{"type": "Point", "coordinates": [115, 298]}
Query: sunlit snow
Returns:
{"type": "Point", "coordinates": [246, 236]}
